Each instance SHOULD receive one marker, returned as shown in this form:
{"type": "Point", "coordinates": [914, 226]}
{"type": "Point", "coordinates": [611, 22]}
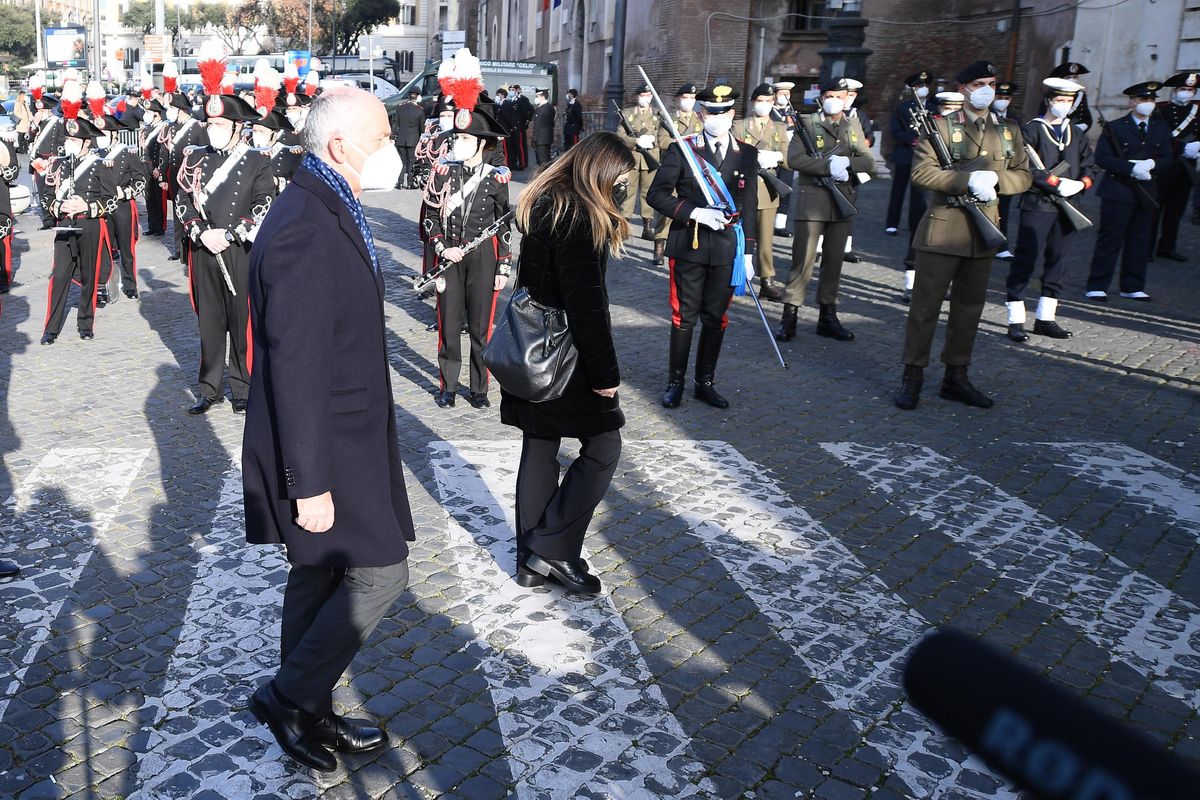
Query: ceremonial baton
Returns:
{"type": "Point", "coordinates": [708, 197]}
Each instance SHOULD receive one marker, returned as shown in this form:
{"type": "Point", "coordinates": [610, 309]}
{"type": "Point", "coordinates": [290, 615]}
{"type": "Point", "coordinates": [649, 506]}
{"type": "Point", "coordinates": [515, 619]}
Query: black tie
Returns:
{"type": "Point", "coordinates": [717, 150]}
{"type": "Point", "coordinates": [1142, 130]}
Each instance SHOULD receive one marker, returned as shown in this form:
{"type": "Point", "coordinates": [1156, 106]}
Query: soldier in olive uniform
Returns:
{"type": "Point", "coordinates": [687, 122]}
{"type": "Point", "coordinates": [949, 249]}
{"type": "Point", "coordinates": [644, 121]}
{"type": "Point", "coordinates": [1182, 115]}
{"type": "Point", "coordinates": [841, 153]}
{"type": "Point", "coordinates": [770, 138]}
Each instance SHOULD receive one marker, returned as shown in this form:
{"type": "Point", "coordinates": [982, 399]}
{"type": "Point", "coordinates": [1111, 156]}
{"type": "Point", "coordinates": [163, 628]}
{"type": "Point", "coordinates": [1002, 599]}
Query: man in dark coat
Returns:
{"type": "Point", "coordinates": [408, 120]}
{"type": "Point", "coordinates": [543, 127]}
{"type": "Point", "coordinates": [573, 123]}
{"type": "Point", "coordinates": [321, 427]}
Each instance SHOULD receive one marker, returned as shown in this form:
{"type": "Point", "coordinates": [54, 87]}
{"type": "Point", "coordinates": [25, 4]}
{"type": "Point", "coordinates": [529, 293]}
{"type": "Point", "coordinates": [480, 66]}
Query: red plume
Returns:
{"type": "Point", "coordinates": [291, 79]}
{"type": "Point", "coordinates": [266, 92]}
{"type": "Point", "coordinates": [170, 75]}
{"type": "Point", "coordinates": [95, 99]}
{"type": "Point", "coordinates": [461, 78]}
{"type": "Point", "coordinates": [71, 100]}
{"type": "Point", "coordinates": [312, 82]}
{"type": "Point", "coordinates": [147, 91]}
{"type": "Point", "coordinates": [37, 91]}
{"type": "Point", "coordinates": [212, 68]}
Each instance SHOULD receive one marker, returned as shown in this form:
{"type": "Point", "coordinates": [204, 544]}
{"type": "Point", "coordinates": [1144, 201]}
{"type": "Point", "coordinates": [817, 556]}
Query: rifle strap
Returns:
{"type": "Point", "coordinates": [958, 136]}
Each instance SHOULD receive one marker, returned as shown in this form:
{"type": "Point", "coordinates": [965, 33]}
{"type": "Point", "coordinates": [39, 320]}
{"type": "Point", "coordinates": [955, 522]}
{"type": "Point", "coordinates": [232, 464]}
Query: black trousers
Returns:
{"type": "Point", "coordinates": [156, 205]}
{"type": "Point", "coordinates": [81, 256]}
{"type": "Point", "coordinates": [1041, 234]}
{"type": "Point", "coordinates": [542, 151]}
{"type": "Point", "coordinates": [408, 157]}
{"type": "Point", "coordinates": [126, 235]}
{"type": "Point", "coordinates": [901, 182]}
{"type": "Point", "coordinates": [1005, 205]}
{"type": "Point", "coordinates": [177, 233]}
{"type": "Point", "coordinates": [1174, 191]}
{"type": "Point", "coordinates": [222, 318]}
{"type": "Point", "coordinates": [328, 615]}
{"type": "Point", "coordinates": [553, 517]}
{"type": "Point", "coordinates": [470, 295]}
{"type": "Point", "coordinates": [43, 191]}
{"type": "Point", "coordinates": [1124, 231]}
{"type": "Point", "coordinates": [6, 268]}
{"type": "Point", "coordinates": [700, 292]}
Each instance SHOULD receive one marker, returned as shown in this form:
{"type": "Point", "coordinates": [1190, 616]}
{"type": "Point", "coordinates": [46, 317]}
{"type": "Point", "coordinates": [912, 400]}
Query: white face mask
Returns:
{"type": "Point", "coordinates": [1001, 105]}
{"type": "Point", "coordinates": [103, 142]}
{"type": "Point", "coordinates": [1060, 110]}
{"type": "Point", "coordinates": [538, 101]}
{"type": "Point", "coordinates": [72, 148]}
{"type": "Point", "coordinates": [644, 102]}
{"type": "Point", "coordinates": [570, 100]}
{"type": "Point", "coordinates": [762, 108]}
{"type": "Point", "coordinates": [921, 92]}
{"type": "Point", "coordinates": [687, 104]}
{"type": "Point", "coordinates": [464, 148]}
{"type": "Point", "coordinates": [262, 139]}
{"type": "Point", "coordinates": [1144, 109]}
{"type": "Point", "coordinates": [982, 97]}
{"type": "Point", "coordinates": [294, 118]}
{"type": "Point", "coordinates": [219, 136]}
{"type": "Point", "coordinates": [718, 125]}
{"type": "Point", "coordinates": [1184, 96]}
{"type": "Point", "coordinates": [381, 169]}
{"type": "Point", "coordinates": [172, 113]}
{"type": "Point", "coordinates": [850, 98]}
{"type": "Point", "coordinates": [445, 123]}
{"type": "Point", "coordinates": [833, 106]}
{"type": "Point", "coordinates": [782, 100]}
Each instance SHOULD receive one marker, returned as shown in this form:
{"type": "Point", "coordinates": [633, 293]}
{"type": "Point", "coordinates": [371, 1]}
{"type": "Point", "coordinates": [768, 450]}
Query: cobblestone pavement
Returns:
{"type": "Point", "coordinates": [767, 568]}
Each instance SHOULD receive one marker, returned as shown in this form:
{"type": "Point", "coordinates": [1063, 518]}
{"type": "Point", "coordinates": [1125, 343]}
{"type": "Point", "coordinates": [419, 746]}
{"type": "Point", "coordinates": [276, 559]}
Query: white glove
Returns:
{"type": "Point", "coordinates": [1068, 187]}
{"type": "Point", "coordinates": [748, 261]}
{"type": "Point", "coordinates": [1081, 126]}
{"type": "Point", "coordinates": [1191, 150]}
{"type": "Point", "coordinates": [1141, 169]}
{"type": "Point", "coordinates": [712, 217]}
{"type": "Point", "coordinates": [982, 184]}
{"type": "Point", "coordinates": [839, 168]}
{"type": "Point", "coordinates": [769, 159]}
{"type": "Point", "coordinates": [646, 141]}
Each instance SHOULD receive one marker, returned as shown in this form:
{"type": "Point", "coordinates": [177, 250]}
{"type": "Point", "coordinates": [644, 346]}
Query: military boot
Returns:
{"type": "Point", "coordinates": [909, 393]}
{"type": "Point", "coordinates": [956, 386]}
{"type": "Point", "coordinates": [678, 352]}
{"type": "Point", "coordinates": [648, 230]}
{"type": "Point", "coordinates": [707, 353]}
{"type": "Point", "coordinates": [787, 323]}
{"type": "Point", "coordinates": [768, 289]}
{"type": "Point", "coordinates": [660, 249]}
{"type": "Point", "coordinates": [829, 325]}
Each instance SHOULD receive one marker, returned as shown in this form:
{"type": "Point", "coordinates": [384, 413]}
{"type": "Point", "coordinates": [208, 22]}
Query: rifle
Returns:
{"type": "Point", "coordinates": [922, 123]}
{"type": "Point", "coordinates": [422, 282]}
{"type": "Point", "coordinates": [842, 204]}
{"type": "Point", "coordinates": [1139, 191]}
{"type": "Point", "coordinates": [777, 187]}
{"type": "Point", "coordinates": [1074, 217]}
{"type": "Point", "coordinates": [651, 161]}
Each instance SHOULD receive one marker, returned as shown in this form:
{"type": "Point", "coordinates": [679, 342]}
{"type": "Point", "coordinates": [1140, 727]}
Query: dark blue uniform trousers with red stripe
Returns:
{"type": "Point", "coordinates": [470, 294]}
{"type": "Point", "coordinates": [81, 256]}
{"type": "Point", "coordinates": [222, 317]}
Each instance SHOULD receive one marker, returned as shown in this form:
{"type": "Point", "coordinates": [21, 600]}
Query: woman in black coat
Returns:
{"type": "Point", "coordinates": [571, 219]}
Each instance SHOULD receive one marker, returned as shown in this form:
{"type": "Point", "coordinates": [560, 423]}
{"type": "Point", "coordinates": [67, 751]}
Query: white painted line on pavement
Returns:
{"type": "Point", "coordinates": [843, 622]}
{"type": "Point", "coordinates": [1146, 482]}
{"type": "Point", "coordinates": [1125, 613]}
{"type": "Point", "coordinates": [58, 515]}
{"type": "Point", "coordinates": [576, 703]}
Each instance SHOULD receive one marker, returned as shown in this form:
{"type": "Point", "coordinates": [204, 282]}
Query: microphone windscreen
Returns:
{"type": "Point", "coordinates": [1033, 732]}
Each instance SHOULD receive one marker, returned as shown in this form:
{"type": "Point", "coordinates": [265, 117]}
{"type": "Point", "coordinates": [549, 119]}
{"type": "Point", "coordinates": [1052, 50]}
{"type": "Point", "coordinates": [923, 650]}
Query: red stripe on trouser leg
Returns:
{"type": "Point", "coordinates": [487, 375]}
{"type": "Point", "coordinates": [134, 235]}
{"type": "Point", "coordinates": [437, 303]}
{"type": "Point", "coordinates": [8, 241]}
{"type": "Point", "coordinates": [49, 298]}
{"type": "Point", "coordinates": [676, 319]}
{"type": "Point", "coordinates": [192, 282]}
{"type": "Point", "coordinates": [725, 316]}
{"type": "Point", "coordinates": [105, 244]}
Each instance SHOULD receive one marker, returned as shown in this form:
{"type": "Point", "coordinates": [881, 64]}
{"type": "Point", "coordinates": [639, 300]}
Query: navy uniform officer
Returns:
{"type": "Point", "coordinates": [643, 121]}
{"type": "Point", "coordinates": [949, 248]}
{"type": "Point", "coordinates": [1182, 115]}
{"type": "Point", "coordinates": [476, 194]}
{"type": "Point", "coordinates": [904, 139]}
{"type": "Point", "coordinates": [1126, 226]}
{"type": "Point", "coordinates": [705, 242]}
{"type": "Point", "coordinates": [1002, 108]}
{"type": "Point", "coordinates": [80, 195]}
{"type": "Point", "coordinates": [1081, 115]}
{"type": "Point", "coordinates": [1044, 233]}
{"type": "Point", "coordinates": [225, 190]}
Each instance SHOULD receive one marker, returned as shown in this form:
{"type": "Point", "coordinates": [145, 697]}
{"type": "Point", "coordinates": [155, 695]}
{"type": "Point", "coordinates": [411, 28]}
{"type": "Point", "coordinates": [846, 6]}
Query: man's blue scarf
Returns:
{"type": "Point", "coordinates": [336, 182]}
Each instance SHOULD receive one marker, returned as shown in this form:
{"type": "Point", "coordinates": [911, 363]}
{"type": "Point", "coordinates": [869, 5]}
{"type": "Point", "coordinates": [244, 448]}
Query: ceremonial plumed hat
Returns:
{"type": "Point", "coordinates": [462, 79]}
{"type": "Point", "coordinates": [1061, 87]}
{"type": "Point", "coordinates": [687, 88]}
{"type": "Point", "coordinates": [155, 106]}
{"type": "Point", "coordinates": [835, 84]}
{"type": "Point", "coordinates": [178, 99]}
{"type": "Point", "coordinates": [973, 72]}
{"type": "Point", "coordinates": [1006, 87]}
{"type": "Point", "coordinates": [718, 98]}
{"type": "Point", "coordinates": [444, 103]}
{"type": "Point", "coordinates": [1144, 89]}
{"type": "Point", "coordinates": [1070, 69]}
{"type": "Point", "coordinates": [762, 90]}
{"type": "Point", "coordinates": [230, 107]}
{"type": "Point", "coordinates": [1185, 79]}
{"type": "Point", "coordinates": [918, 78]}
{"type": "Point", "coordinates": [109, 123]}
{"type": "Point", "coordinates": [80, 128]}
{"type": "Point", "coordinates": [48, 102]}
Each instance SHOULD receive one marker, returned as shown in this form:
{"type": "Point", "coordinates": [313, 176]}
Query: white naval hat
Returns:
{"type": "Point", "coordinates": [1062, 86]}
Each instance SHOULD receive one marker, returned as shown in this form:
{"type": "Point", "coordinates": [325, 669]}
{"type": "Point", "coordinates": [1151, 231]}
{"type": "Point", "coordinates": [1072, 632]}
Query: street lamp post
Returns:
{"type": "Point", "coordinates": [615, 88]}
{"type": "Point", "coordinates": [37, 25]}
{"type": "Point", "coordinates": [845, 56]}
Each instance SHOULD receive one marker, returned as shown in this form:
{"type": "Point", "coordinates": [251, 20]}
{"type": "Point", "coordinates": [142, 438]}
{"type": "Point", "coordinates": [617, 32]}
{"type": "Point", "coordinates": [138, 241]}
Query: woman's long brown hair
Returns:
{"type": "Point", "coordinates": [581, 181]}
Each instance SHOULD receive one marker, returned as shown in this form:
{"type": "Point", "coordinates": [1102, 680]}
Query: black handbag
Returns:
{"type": "Point", "coordinates": [531, 352]}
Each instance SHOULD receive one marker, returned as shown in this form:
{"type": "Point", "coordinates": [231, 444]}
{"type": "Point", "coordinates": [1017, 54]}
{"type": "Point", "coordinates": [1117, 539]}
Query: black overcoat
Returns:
{"type": "Point", "coordinates": [561, 268]}
{"type": "Point", "coordinates": [320, 415]}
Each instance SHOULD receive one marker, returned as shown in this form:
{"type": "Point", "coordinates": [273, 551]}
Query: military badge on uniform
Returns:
{"type": "Point", "coordinates": [214, 107]}
{"type": "Point", "coordinates": [820, 142]}
{"type": "Point", "coordinates": [462, 119]}
{"type": "Point", "coordinates": [72, 127]}
{"type": "Point", "coordinates": [956, 137]}
{"type": "Point", "coordinates": [1007, 133]}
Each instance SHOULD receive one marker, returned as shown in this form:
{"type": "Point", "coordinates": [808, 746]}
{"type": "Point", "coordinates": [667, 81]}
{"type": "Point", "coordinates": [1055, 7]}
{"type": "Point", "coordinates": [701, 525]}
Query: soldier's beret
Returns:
{"type": "Point", "coordinates": [917, 79]}
{"type": "Point", "coordinates": [641, 88]}
{"type": "Point", "coordinates": [973, 72]}
{"type": "Point", "coordinates": [687, 88]}
{"type": "Point", "coordinates": [836, 84]}
{"type": "Point", "coordinates": [1183, 79]}
{"type": "Point", "coordinates": [1006, 87]}
{"type": "Point", "coordinates": [1070, 69]}
{"type": "Point", "coordinates": [762, 90]}
{"type": "Point", "coordinates": [1144, 89]}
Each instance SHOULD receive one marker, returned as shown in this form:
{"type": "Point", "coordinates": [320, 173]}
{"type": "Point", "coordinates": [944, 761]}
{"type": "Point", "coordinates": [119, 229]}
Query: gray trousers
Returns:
{"type": "Point", "coordinates": [328, 614]}
{"type": "Point", "coordinates": [804, 255]}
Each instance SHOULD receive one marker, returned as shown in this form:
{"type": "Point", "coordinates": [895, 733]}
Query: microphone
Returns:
{"type": "Point", "coordinates": [1033, 732]}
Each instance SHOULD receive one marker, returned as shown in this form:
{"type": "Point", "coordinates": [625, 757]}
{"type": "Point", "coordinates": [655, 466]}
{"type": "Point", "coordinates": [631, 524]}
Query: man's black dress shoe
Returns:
{"type": "Point", "coordinates": [4, 289]}
{"type": "Point", "coordinates": [86, 335]}
{"type": "Point", "coordinates": [479, 400]}
{"type": "Point", "coordinates": [293, 728]}
{"type": "Point", "coordinates": [239, 405]}
{"type": "Point", "coordinates": [202, 405]}
{"type": "Point", "coordinates": [172, 257]}
{"type": "Point", "coordinates": [345, 737]}
{"type": "Point", "coordinates": [851, 258]}
{"type": "Point", "coordinates": [1016, 332]}
{"type": "Point", "coordinates": [131, 293]}
{"type": "Point", "coordinates": [1048, 327]}
{"type": "Point", "coordinates": [1172, 255]}
{"type": "Point", "coordinates": [9, 570]}
{"type": "Point", "coordinates": [48, 338]}
{"type": "Point", "coordinates": [444, 399]}
{"type": "Point", "coordinates": [572, 574]}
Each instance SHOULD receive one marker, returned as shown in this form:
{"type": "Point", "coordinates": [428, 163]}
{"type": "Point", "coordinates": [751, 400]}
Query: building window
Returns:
{"type": "Point", "coordinates": [443, 18]}
{"type": "Point", "coordinates": [407, 15]}
{"type": "Point", "coordinates": [805, 16]}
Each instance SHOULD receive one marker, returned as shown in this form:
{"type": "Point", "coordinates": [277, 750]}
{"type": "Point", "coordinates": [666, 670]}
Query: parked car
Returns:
{"type": "Point", "coordinates": [383, 88]}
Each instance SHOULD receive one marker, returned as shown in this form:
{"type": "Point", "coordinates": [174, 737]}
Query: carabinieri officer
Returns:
{"type": "Point", "coordinates": [710, 249]}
